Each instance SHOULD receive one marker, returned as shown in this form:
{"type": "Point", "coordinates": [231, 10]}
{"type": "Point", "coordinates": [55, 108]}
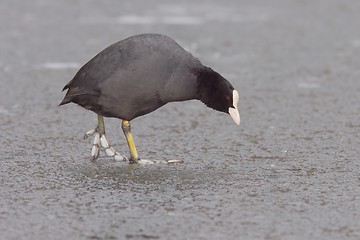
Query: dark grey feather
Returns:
{"type": "Point", "coordinates": [135, 76]}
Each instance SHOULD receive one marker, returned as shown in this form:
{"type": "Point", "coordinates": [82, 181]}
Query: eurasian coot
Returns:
{"type": "Point", "coordinates": [139, 74]}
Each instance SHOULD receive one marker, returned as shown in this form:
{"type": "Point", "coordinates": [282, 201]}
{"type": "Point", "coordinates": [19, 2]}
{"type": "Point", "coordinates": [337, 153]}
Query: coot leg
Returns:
{"type": "Point", "coordinates": [101, 141]}
{"type": "Point", "coordinates": [134, 157]}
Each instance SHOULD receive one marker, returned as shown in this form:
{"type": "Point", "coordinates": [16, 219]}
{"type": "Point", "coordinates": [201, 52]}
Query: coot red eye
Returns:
{"type": "Point", "coordinates": [228, 98]}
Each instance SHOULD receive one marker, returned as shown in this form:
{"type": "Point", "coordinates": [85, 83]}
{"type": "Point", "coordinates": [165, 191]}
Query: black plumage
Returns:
{"type": "Point", "coordinates": [139, 74]}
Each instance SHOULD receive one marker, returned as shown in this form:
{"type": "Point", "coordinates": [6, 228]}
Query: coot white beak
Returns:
{"type": "Point", "coordinates": [234, 112]}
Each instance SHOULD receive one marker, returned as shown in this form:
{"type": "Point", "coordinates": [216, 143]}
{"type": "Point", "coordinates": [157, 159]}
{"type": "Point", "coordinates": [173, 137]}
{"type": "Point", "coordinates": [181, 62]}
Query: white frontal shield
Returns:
{"type": "Point", "coordinates": [234, 112]}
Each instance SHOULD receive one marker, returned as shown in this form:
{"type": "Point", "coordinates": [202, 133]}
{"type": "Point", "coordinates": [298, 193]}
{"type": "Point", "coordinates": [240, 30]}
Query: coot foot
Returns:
{"type": "Point", "coordinates": [100, 141]}
{"type": "Point", "coordinates": [147, 161]}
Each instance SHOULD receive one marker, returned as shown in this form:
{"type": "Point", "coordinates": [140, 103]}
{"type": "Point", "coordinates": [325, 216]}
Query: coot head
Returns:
{"type": "Point", "coordinates": [217, 93]}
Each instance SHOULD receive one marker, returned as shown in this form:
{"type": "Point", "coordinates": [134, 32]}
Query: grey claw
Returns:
{"type": "Point", "coordinates": [103, 142]}
{"type": "Point", "coordinates": [110, 152]}
{"type": "Point", "coordinates": [174, 161]}
{"type": "Point", "coordinates": [89, 133]}
{"type": "Point", "coordinates": [145, 161]}
{"type": "Point", "coordinates": [119, 158]}
{"type": "Point", "coordinates": [95, 151]}
{"type": "Point", "coordinates": [97, 139]}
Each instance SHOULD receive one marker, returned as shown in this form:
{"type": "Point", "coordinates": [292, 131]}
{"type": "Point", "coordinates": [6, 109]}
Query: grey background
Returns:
{"type": "Point", "coordinates": [290, 171]}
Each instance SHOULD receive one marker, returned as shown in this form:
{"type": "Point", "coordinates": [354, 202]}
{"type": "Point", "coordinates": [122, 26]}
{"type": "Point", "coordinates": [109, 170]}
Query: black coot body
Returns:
{"type": "Point", "coordinates": [138, 75]}
{"type": "Point", "coordinates": [142, 73]}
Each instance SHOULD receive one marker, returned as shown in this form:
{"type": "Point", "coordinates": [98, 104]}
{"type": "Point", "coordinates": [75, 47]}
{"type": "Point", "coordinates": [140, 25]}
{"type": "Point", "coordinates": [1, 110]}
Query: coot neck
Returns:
{"type": "Point", "coordinates": [206, 78]}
